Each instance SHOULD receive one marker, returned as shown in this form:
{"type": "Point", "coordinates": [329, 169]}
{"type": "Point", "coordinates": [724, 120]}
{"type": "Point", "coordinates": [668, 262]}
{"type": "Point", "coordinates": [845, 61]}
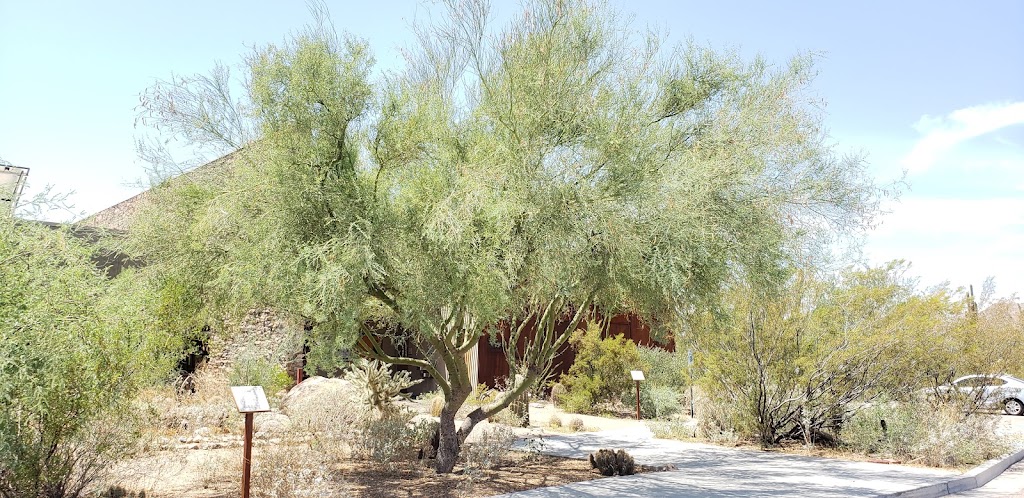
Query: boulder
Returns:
{"type": "Point", "coordinates": [316, 391]}
{"type": "Point", "coordinates": [268, 423]}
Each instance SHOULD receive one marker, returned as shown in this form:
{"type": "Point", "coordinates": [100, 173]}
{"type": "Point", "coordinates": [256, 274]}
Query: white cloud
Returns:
{"type": "Point", "coordinates": [942, 133]}
{"type": "Point", "coordinates": [959, 240]}
{"type": "Point", "coordinates": [935, 216]}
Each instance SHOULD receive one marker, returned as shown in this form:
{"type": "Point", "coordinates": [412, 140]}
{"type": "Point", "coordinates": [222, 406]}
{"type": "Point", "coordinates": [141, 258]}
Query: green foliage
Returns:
{"type": "Point", "coordinates": [600, 374]}
{"type": "Point", "coordinates": [938, 435]}
{"type": "Point", "coordinates": [658, 401]}
{"type": "Point", "coordinates": [667, 377]}
{"type": "Point", "coordinates": [70, 360]}
{"type": "Point", "coordinates": [502, 178]}
{"type": "Point", "coordinates": [789, 364]}
{"type": "Point", "coordinates": [664, 368]}
{"type": "Point", "coordinates": [251, 369]}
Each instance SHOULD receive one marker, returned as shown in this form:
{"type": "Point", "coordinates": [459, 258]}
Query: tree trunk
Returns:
{"type": "Point", "coordinates": [449, 440]}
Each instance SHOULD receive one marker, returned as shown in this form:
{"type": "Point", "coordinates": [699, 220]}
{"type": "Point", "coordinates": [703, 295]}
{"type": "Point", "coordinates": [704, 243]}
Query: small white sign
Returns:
{"type": "Point", "coordinates": [637, 374]}
{"type": "Point", "coordinates": [250, 399]}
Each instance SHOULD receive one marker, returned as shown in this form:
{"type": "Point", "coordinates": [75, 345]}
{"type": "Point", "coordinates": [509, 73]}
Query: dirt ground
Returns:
{"type": "Point", "coordinates": [195, 471]}
{"type": "Point", "coordinates": [216, 474]}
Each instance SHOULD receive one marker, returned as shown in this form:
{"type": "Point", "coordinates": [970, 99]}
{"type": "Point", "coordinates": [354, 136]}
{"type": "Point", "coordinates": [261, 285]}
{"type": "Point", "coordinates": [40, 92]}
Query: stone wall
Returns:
{"type": "Point", "coordinates": [262, 333]}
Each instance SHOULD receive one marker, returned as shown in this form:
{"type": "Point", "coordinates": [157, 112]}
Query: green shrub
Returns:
{"type": "Point", "coordinates": [69, 364]}
{"type": "Point", "coordinates": [658, 401]}
{"type": "Point", "coordinates": [664, 368]}
{"type": "Point", "coordinates": [600, 374]}
{"type": "Point", "coordinates": [671, 429]}
{"type": "Point", "coordinates": [253, 370]}
{"type": "Point", "coordinates": [938, 435]}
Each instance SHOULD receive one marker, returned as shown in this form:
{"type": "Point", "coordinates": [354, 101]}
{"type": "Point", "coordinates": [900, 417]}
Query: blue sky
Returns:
{"type": "Point", "coordinates": [935, 89]}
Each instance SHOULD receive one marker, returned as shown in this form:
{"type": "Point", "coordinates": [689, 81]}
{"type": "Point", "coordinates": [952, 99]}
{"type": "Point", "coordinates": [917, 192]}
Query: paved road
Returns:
{"type": "Point", "coordinates": [713, 471]}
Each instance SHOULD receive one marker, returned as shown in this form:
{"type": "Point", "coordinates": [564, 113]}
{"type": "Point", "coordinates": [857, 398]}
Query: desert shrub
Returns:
{"type": "Point", "coordinates": [671, 429]}
{"type": "Point", "coordinates": [392, 436]}
{"type": "Point", "coordinates": [600, 374]}
{"type": "Point", "coordinates": [328, 418]}
{"type": "Point", "coordinates": [576, 424]}
{"type": "Point", "coordinates": [554, 421]}
{"type": "Point", "coordinates": [116, 491]}
{"type": "Point", "coordinates": [937, 435]}
{"type": "Point", "coordinates": [557, 391]}
{"type": "Point", "coordinates": [378, 386]}
{"type": "Point", "coordinates": [490, 448]}
{"type": "Point", "coordinates": [717, 421]}
{"type": "Point", "coordinates": [436, 406]}
{"type": "Point", "coordinates": [658, 401]}
{"type": "Point", "coordinates": [512, 418]}
{"type": "Point", "coordinates": [482, 395]}
{"type": "Point", "coordinates": [251, 369]}
{"type": "Point", "coordinates": [663, 368]}
{"type": "Point", "coordinates": [70, 363]}
{"type": "Point", "coordinates": [211, 405]}
{"type": "Point", "coordinates": [295, 471]}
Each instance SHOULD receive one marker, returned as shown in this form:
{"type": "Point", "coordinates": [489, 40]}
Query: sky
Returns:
{"type": "Point", "coordinates": [930, 93]}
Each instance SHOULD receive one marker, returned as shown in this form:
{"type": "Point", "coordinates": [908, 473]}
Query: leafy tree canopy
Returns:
{"type": "Point", "coordinates": [503, 175]}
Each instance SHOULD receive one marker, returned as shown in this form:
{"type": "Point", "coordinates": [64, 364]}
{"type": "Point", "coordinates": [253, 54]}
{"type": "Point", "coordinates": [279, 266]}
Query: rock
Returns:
{"type": "Point", "coordinates": [271, 423]}
{"type": "Point", "coordinates": [202, 433]}
{"type": "Point", "coordinates": [315, 390]}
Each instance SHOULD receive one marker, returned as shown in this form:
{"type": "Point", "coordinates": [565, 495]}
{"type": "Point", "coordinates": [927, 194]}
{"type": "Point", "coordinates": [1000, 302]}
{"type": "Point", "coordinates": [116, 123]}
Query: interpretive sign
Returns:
{"type": "Point", "coordinates": [250, 399]}
{"type": "Point", "coordinates": [637, 374]}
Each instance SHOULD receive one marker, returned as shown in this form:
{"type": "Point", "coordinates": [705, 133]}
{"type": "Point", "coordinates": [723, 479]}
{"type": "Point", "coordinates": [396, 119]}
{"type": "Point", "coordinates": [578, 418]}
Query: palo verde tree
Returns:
{"type": "Point", "coordinates": [796, 362]}
{"type": "Point", "coordinates": [70, 362]}
{"type": "Point", "coordinates": [502, 178]}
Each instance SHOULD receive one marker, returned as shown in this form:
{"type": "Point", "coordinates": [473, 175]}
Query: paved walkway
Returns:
{"type": "Point", "coordinates": [713, 471]}
{"type": "Point", "coordinates": [1008, 484]}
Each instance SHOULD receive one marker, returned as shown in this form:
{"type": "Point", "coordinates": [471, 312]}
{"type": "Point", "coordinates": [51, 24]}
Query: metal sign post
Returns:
{"type": "Point", "coordinates": [689, 364]}
{"type": "Point", "coordinates": [249, 400]}
{"type": "Point", "coordinates": [637, 375]}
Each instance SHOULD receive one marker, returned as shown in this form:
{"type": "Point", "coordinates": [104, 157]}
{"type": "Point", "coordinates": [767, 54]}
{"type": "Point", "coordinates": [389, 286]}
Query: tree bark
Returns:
{"type": "Point", "coordinates": [449, 441]}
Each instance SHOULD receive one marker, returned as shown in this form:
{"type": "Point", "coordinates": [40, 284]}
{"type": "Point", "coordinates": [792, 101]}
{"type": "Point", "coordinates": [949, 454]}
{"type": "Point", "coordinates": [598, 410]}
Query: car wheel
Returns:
{"type": "Point", "coordinates": [1013, 407]}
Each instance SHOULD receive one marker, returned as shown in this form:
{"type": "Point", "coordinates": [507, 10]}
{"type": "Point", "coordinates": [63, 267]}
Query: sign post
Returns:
{"type": "Point", "coordinates": [689, 365]}
{"type": "Point", "coordinates": [249, 400]}
{"type": "Point", "coordinates": [637, 375]}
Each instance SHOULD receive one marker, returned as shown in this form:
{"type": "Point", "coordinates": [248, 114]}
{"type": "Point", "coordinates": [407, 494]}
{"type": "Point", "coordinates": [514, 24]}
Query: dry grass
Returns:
{"type": "Point", "coordinates": [173, 413]}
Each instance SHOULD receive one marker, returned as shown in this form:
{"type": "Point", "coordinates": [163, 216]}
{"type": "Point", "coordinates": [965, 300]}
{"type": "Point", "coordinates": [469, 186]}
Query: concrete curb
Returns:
{"type": "Point", "coordinates": [974, 478]}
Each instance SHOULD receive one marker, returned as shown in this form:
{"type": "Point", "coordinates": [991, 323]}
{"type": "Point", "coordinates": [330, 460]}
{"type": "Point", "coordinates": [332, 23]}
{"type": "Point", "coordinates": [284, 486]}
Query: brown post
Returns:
{"type": "Point", "coordinates": [298, 375]}
{"type": "Point", "coordinates": [637, 399]}
{"type": "Point", "coordinates": [247, 456]}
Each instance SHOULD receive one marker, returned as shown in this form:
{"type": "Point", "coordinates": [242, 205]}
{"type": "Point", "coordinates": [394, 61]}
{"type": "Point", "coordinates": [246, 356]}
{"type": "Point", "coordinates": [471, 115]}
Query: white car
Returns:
{"type": "Point", "coordinates": [990, 391]}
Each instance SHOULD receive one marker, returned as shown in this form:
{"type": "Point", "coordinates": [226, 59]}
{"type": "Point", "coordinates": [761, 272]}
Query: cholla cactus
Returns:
{"type": "Point", "coordinates": [377, 387]}
{"type": "Point", "coordinates": [610, 462]}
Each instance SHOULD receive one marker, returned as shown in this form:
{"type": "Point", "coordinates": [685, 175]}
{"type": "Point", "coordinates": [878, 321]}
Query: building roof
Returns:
{"type": "Point", "coordinates": [120, 216]}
